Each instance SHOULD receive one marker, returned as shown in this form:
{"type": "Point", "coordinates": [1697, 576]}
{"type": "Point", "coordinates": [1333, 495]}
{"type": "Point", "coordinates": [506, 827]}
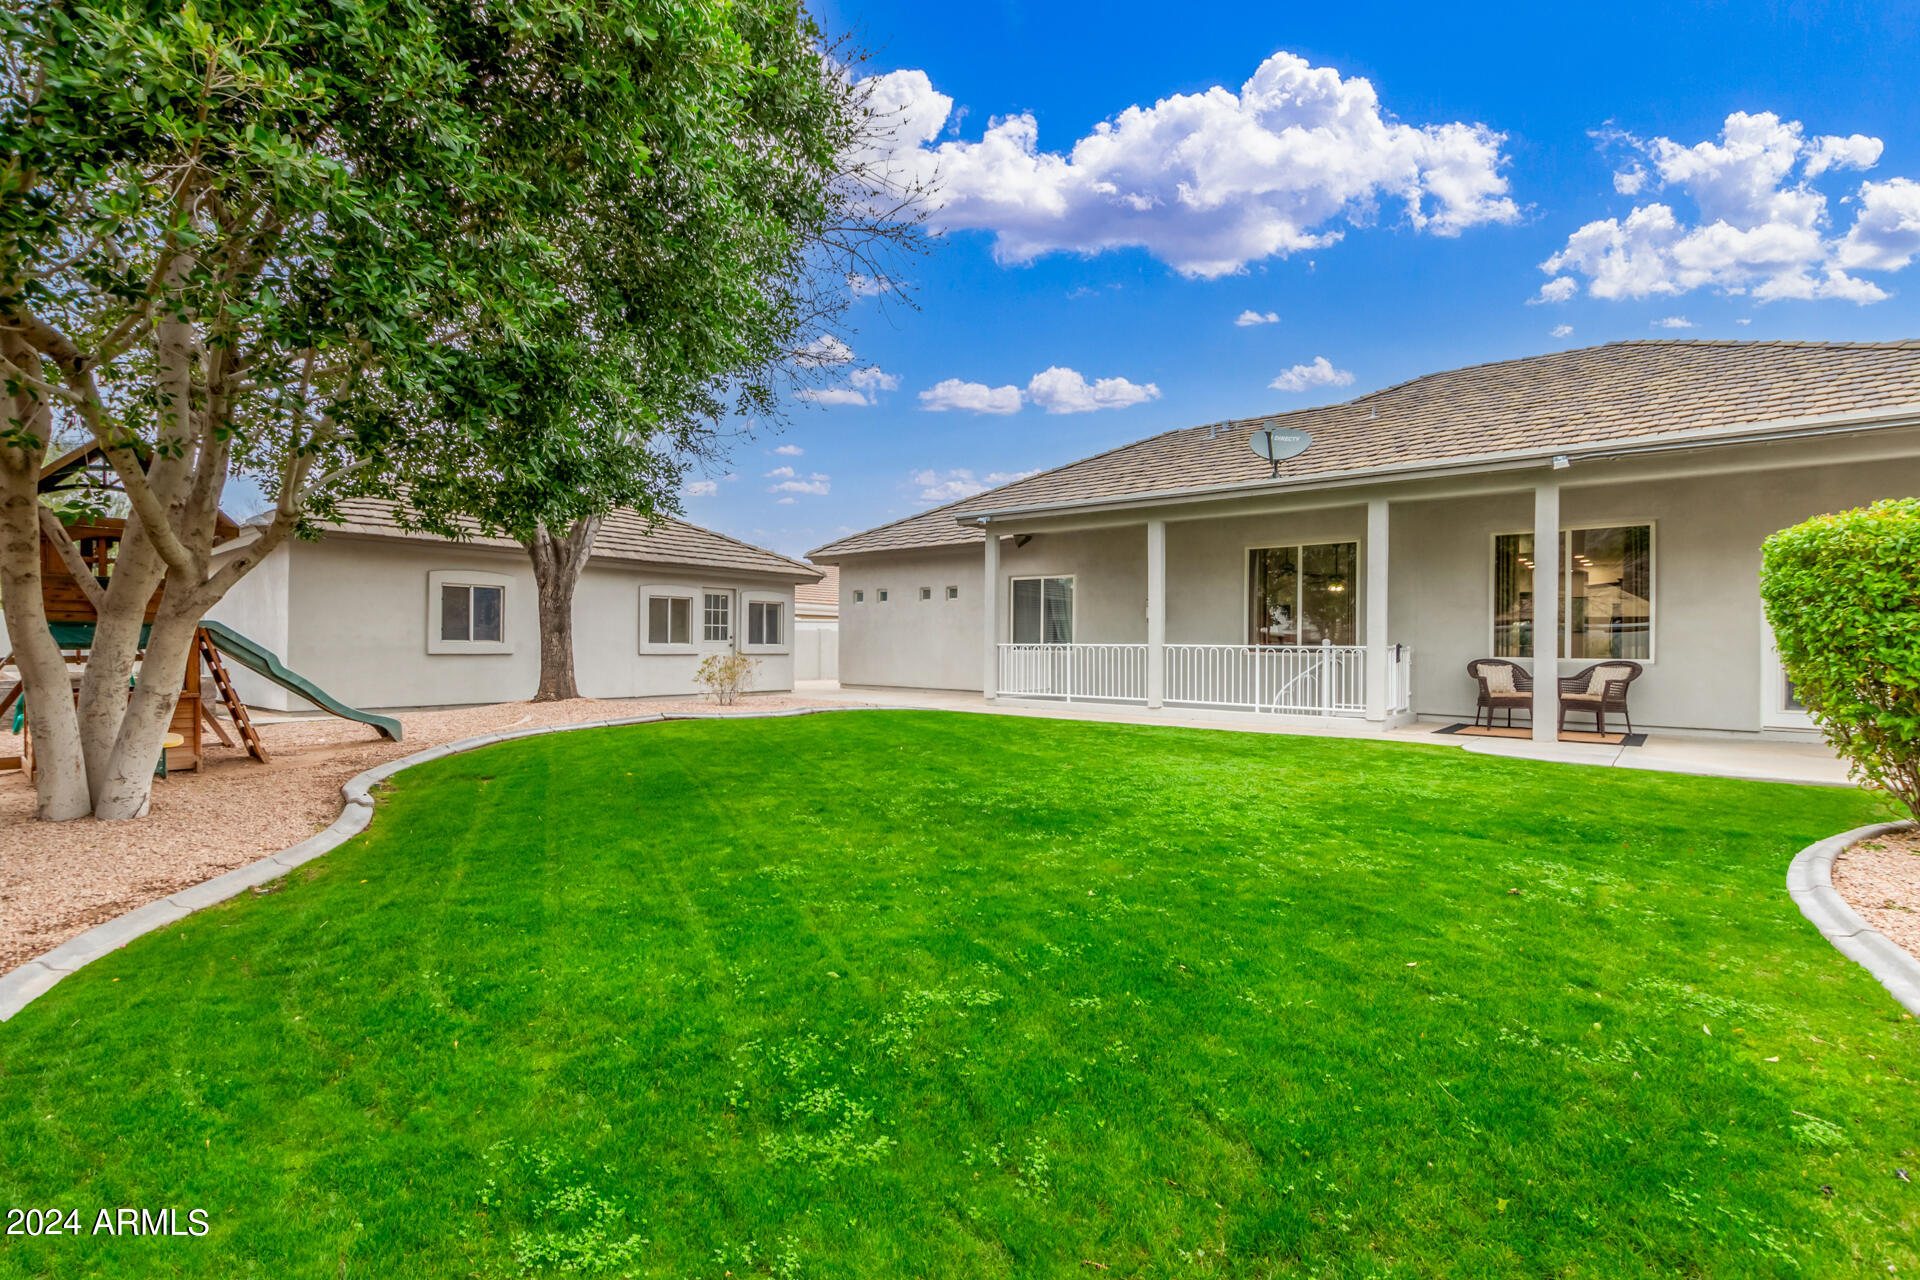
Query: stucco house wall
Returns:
{"type": "Point", "coordinates": [1709, 663]}
{"type": "Point", "coordinates": [351, 614]}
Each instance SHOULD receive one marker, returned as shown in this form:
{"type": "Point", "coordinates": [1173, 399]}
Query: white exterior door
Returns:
{"type": "Point", "coordinates": [719, 621]}
{"type": "Point", "coordinates": [1779, 708]}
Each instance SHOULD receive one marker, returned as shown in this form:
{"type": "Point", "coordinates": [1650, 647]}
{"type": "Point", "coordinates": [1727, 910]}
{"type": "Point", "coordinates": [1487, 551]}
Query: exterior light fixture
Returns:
{"type": "Point", "coordinates": [1561, 462]}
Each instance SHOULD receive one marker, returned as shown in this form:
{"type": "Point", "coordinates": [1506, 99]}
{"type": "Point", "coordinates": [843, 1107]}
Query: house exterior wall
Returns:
{"type": "Point", "coordinates": [1709, 660]}
{"type": "Point", "coordinates": [1709, 665]}
{"type": "Point", "coordinates": [356, 619]}
{"type": "Point", "coordinates": [256, 607]}
{"type": "Point", "coordinates": [816, 650]}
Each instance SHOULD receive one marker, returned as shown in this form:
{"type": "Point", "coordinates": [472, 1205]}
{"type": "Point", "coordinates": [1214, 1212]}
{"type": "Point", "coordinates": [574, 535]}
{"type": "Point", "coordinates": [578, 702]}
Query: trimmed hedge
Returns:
{"type": "Point", "coordinates": [1843, 595]}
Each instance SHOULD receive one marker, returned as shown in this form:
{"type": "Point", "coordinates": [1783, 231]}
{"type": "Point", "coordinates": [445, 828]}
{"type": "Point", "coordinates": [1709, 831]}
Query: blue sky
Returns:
{"type": "Point", "coordinates": [1516, 130]}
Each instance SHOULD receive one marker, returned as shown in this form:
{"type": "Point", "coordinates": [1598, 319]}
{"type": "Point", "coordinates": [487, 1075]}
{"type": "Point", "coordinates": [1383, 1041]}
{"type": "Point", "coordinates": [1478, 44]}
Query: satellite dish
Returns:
{"type": "Point", "coordinates": [1276, 445]}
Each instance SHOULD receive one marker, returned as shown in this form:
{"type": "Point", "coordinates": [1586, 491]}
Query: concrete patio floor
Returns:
{"type": "Point", "coordinates": [1730, 756]}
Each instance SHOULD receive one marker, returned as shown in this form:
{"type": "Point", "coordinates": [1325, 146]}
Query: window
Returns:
{"type": "Point", "coordinates": [717, 616]}
{"type": "Point", "coordinates": [1043, 610]}
{"type": "Point", "coordinates": [669, 621]}
{"type": "Point", "coordinates": [1605, 597]}
{"type": "Point", "coordinates": [953, 593]}
{"type": "Point", "coordinates": [881, 595]}
{"type": "Point", "coordinates": [763, 622]}
{"type": "Point", "coordinates": [926, 593]}
{"type": "Point", "coordinates": [1303, 595]}
{"type": "Point", "coordinates": [467, 612]}
{"type": "Point", "coordinates": [859, 597]}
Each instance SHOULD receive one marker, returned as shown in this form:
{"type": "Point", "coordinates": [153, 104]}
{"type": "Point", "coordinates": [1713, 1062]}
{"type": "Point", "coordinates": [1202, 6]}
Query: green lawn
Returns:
{"type": "Point", "coordinates": [895, 995]}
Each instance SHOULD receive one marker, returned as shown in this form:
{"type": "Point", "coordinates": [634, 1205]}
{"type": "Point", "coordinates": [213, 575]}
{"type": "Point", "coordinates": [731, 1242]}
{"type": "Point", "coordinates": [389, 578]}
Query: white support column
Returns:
{"type": "Point", "coordinates": [990, 610]}
{"type": "Point", "coordinates": [1546, 612]}
{"type": "Point", "coordinates": [1377, 632]}
{"type": "Point", "coordinates": [1156, 612]}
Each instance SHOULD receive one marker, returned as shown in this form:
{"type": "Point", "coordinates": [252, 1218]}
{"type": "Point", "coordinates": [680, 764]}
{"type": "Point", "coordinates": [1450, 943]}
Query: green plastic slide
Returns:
{"type": "Point", "coordinates": [266, 664]}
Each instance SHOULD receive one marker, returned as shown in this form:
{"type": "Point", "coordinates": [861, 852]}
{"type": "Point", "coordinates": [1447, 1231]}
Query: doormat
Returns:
{"type": "Point", "coordinates": [1501, 731]}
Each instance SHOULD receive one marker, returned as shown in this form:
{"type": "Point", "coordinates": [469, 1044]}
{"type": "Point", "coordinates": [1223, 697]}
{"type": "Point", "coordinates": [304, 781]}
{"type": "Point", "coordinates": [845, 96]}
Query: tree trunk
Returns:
{"type": "Point", "coordinates": [60, 771]}
{"type": "Point", "coordinates": [126, 784]}
{"type": "Point", "coordinates": [557, 564]}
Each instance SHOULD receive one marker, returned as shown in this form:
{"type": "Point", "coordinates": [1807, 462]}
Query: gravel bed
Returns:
{"type": "Point", "coordinates": [59, 879]}
{"type": "Point", "coordinates": [1881, 880]}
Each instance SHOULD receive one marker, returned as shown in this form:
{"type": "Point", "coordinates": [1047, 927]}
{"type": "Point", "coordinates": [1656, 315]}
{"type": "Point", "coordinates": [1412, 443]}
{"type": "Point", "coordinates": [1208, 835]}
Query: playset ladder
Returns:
{"type": "Point", "coordinates": [235, 708]}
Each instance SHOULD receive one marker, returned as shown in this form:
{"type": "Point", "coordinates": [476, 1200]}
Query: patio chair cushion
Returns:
{"type": "Point", "coordinates": [1597, 683]}
{"type": "Point", "coordinates": [1581, 697]}
{"type": "Point", "coordinates": [1499, 678]}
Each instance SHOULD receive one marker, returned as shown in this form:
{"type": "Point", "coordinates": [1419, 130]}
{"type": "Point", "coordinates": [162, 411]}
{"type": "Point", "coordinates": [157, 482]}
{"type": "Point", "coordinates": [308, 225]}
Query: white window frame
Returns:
{"type": "Point", "coordinates": [439, 578]}
{"type": "Point", "coordinates": [1563, 637]}
{"type": "Point", "coordinates": [881, 595]}
{"type": "Point", "coordinates": [1073, 615]}
{"type": "Point", "coordinates": [859, 595]}
{"type": "Point", "coordinates": [747, 599]}
{"type": "Point", "coordinates": [926, 593]}
{"type": "Point", "coordinates": [953, 593]}
{"type": "Point", "coordinates": [668, 591]}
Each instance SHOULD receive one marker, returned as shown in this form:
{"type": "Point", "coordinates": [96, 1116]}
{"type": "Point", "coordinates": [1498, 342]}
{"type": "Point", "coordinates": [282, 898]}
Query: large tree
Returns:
{"type": "Point", "coordinates": [229, 230]}
{"type": "Point", "coordinates": [692, 279]}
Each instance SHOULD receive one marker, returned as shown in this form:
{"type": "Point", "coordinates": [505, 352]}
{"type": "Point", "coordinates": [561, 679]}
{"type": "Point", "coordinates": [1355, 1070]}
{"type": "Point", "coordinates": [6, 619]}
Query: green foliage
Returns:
{"type": "Point", "coordinates": [1842, 594]}
{"type": "Point", "coordinates": [889, 994]}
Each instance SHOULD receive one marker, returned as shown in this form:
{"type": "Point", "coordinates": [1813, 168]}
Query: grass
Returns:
{"type": "Point", "coordinates": [891, 994]}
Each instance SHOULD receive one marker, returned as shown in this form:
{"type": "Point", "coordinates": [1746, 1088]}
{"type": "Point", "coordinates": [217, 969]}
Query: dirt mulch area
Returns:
{"type": "Point", "coordinates": [1881, 880]}
{"type": "Point", "coordinates": [59, 879]}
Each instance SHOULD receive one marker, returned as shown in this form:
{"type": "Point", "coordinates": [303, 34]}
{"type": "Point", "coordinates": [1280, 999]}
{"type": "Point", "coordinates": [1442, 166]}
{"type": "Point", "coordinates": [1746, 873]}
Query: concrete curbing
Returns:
{"type": "Point", "coordinates": [21, 986]}
{"type": "Point", "coordinates": [1810, 885]}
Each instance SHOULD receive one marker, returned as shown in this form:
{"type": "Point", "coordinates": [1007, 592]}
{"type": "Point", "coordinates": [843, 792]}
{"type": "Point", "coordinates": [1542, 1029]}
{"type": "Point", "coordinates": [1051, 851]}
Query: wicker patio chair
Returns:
{"type": "Point", "coordinates": [1600, 689]}
{"type": "Point", "coordinates": [1503, 686]}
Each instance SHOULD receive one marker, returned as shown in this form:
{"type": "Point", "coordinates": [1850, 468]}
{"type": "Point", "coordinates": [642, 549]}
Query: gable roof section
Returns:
{"type": "Point", "coordinates": [819, 599]}
{"type": "Point", "coordinates": [624, 536]}
{"type": "Point", "coordinates": [1565, 400]}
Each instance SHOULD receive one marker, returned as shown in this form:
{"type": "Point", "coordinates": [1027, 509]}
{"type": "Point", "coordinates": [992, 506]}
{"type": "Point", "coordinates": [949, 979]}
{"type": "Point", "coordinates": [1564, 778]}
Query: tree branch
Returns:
{"type": "Point", "coordinates": [53, 531]}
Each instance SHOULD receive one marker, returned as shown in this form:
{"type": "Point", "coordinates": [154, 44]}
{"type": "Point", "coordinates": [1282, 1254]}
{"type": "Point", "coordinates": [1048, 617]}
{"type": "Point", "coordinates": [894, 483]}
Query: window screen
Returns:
{"type": "Point", "coordinates": [1043, 610]}
{"type": "Point", "coordinates": [472, 613]}
{"type": "Point", "coordinates": [763, 622]}
{"type": "Point", "coordinates": [670, 620]}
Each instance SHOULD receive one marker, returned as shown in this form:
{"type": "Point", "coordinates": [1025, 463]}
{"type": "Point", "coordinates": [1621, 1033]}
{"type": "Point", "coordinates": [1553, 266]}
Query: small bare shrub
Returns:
{"type": "Point", "coordinates": [726, 676]}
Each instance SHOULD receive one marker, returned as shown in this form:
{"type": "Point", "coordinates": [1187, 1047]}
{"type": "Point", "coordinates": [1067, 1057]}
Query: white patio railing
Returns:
{"type": "Point", "coordinates": [1299, 679]}
{"type": "Point", "coordinates": [1295, 679]}
{"type": "Point", "coordinates": [1100, 672]}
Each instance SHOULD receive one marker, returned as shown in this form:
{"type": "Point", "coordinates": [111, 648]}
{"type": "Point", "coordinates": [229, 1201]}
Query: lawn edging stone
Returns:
{"type": "Point", "coordinates": [21, 986]}
{"type": "Point", "coordinates": [1810, 885]}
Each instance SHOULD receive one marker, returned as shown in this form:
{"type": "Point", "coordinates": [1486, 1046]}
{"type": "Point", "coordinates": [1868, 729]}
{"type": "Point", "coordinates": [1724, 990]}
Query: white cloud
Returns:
{"type": "Point", "coordinates": [699, 488]}
{"type": "Point", "coordinates": [1303, 377]}
{"type": "Point", "coordinates": [1061, 390]}
{"type": "Point", "coordinates": [784, 502]}
{"type": "Point", "coordinates": [1206, 182]}
{"type": "Point", "coordinates": [1252, 317]}
{"type": "Point", "coordinates": [780, 473]}
{"type": "Point", "coordinates": [1558, 289]}
{"type": "Point", "coordinates": [1886, 231]}
{"type": "Point", "coordinates": [1762, 228]}
{"type": "Point", "coordinates": [1673, 322]}
{"type": "Point", "coordinates": [831, 395]}
{"type": "Point", "coordinates": [865, 286]}
{"type": "Point", "coordinates": [937, 487]}
{"type": "Point", "coordinates": [974, 397]}
{"type": "Point", "coordinates": [872, 378]}
{"type": "Point", "coordinates": [822, 352]}
{"type": "Point", "coordinates": [1562, 330]}
{"type": "Point", "coordinates": [790, 450]}
{"type": "Point", "coordinates": [1629, 182]}
{"type": "Point", "coordinates": [815, 484]}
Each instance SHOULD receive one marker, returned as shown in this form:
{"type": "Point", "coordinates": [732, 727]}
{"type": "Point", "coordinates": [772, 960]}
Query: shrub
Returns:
{"type": "Point", "coordinates": [727, 676]}
{"type": "Point", "coordinates": [1843, 595]}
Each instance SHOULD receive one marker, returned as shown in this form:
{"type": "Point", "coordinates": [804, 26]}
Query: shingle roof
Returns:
{"type": "Point", "coordinates": [624, 536]}
{"type": "Point", "coordinates": [1561, 401]}
{"type": "Point", "coordinates": [819, 599]}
